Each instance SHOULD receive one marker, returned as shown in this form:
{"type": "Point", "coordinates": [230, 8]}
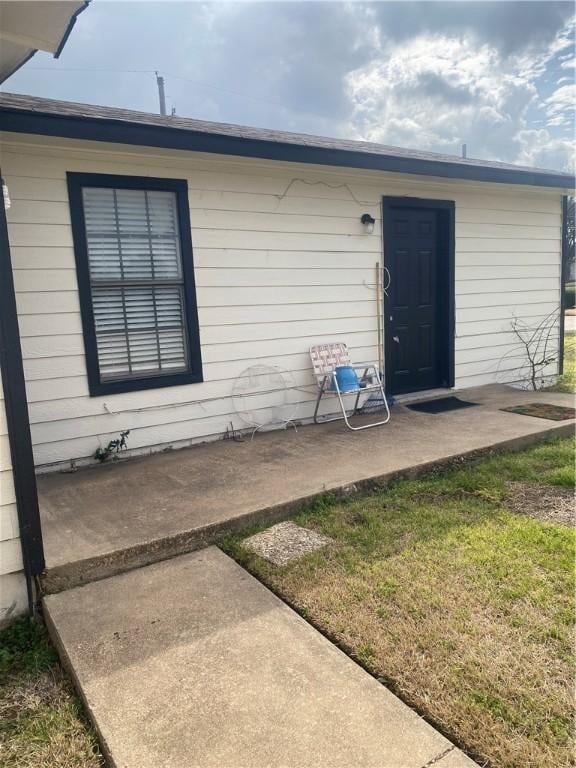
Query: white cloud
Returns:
{"type": "Point", "coordinates": [539, 148]}
{"type": "Point", "coordinates": [555, 122]}
{"type": "Point", "coordinates": [436, 92]}
{"type": "Point", "coordinates": [562, 101]}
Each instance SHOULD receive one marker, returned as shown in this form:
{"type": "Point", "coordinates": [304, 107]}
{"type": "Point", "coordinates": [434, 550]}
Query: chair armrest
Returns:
{"type": "Point", "coordinates": [365, 367]}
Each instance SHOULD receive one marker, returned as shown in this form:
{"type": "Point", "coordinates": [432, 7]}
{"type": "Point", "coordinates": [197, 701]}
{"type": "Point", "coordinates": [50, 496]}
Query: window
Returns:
{"type": "Point", "coordinates": [136, 280]}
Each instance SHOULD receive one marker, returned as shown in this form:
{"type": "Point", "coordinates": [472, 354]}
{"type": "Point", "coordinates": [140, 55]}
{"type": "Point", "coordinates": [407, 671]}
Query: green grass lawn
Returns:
{"type": "Point", "coordinates": [461, 607]}
{"type": "Point", "coordinates": [567, 382]}
{"type": "Point", "coordinates": [41, 720]}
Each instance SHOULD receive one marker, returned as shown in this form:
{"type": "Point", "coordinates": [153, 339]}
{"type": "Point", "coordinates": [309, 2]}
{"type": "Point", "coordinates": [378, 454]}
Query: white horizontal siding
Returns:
{"type": "Point", "coordinates": [516, 307]}
{"type": "Point", "coordinates": [13, 598]}
{"type": "Point", "coordinates": [482, 373]}
{"type": "Point", "coordinates": [46, 302]}
{"type": "Point", "coordinates": [9, 528]}
{"type": "Point", "coordinates": [516, 272]}
{"type": "Point", "coordinates": [548, 298]}
{"type": "Point", "coordinates": [10, 556]}
{"type": "Point", "coordinates": [5, 460]}
{"type": "Point", "coordinates": [162, 403]}
{"type": "Point", "coordinates": [281, 262]}
{"type": "Point", "coordinates": [7, 493]}
{"type": "Point", "coordinates": [352, 239]}
{"type": "Point", "coordinates": [208, 277]}
{"type": "Point", "coordinates": [242, 212]}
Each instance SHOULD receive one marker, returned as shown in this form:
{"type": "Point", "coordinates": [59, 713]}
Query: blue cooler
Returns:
{"type": "Point", "coordinates": [347, 379]}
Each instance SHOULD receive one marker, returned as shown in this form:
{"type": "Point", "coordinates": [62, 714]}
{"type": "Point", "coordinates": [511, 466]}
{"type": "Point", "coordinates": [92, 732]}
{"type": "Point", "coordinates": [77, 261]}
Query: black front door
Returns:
{"type": "Point", "coordinates": [412, 310]}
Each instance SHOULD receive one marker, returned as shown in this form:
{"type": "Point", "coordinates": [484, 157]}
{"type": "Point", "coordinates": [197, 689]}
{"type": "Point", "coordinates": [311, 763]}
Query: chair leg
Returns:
{"type": "Point", "coordinates": [324, 419]}
{"type": "Point", "coordinates": [320, 393]}
{"type": "Point", "coordinates": [364, 426]}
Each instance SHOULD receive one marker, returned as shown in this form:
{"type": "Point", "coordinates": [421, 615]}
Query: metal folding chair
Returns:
{"type": "Point", "coordinates": [325, 359]}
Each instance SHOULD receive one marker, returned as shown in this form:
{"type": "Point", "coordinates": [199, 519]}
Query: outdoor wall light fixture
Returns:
{"type": "Point", "coordinates": [368, 222]}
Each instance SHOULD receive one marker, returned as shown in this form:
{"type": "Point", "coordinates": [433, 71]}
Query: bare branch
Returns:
{"type": "Point", "coordinates": [534, 343]}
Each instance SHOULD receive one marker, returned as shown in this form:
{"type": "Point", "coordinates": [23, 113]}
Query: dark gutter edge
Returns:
{"type": "Point", "coordinates": [70, 27]}
{"type": "Point", "coordinates": [125, 132]}
{"type": "Point", "coordinates": [563, 271]}
{"type": "Point", "coordinates": [18, 421]}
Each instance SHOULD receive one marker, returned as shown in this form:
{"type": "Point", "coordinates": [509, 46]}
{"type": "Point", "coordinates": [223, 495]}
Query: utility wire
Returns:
{"type": "Point", "coordinates": [201, 83]}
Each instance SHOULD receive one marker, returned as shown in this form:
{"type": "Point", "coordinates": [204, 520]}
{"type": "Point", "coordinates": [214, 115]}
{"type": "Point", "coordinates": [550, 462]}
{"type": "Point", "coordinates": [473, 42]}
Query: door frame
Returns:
{"type": "Point", "coordinates": [447, 283]}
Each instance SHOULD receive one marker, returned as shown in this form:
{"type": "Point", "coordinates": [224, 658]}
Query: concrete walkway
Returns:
{"type": "Point", "coordinates": [109, 519]}
{"type": "Point", "coordinates": [192, 663]}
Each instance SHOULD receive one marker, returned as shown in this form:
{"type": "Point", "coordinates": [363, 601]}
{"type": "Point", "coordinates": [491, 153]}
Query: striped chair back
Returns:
{"type": "Point", "coordinates": [327, 357]}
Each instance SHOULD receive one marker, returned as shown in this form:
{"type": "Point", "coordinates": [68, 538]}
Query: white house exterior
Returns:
{"type": "Point", "coordinates": [281, 261]}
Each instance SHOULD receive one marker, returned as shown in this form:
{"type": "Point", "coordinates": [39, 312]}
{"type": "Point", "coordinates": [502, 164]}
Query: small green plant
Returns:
{"type": "Point", "coordinates": [24, 647]}
{"type": "Point", "coordinates": [113, 448]}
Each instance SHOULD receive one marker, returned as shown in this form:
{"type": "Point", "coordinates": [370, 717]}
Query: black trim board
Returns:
{"type": "Point", "coordinates": [17, 418]}
{"type": "Point", "coordinates": [76, 182]}
{"type": "Point", "coordinates": [140, 134]}
{"type": "Point", "coordinates": [447, 209]}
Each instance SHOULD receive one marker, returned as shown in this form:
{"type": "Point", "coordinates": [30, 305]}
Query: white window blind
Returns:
{"type": "Point", "coordinates": [135, 265]}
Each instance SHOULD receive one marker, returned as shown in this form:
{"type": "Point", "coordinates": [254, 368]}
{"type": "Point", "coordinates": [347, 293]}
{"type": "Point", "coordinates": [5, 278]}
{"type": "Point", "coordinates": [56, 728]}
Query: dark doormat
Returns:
{"type": "Point", "coordinates": [543, 411]}
{"type": "Point", "coordinates": [440, 405]}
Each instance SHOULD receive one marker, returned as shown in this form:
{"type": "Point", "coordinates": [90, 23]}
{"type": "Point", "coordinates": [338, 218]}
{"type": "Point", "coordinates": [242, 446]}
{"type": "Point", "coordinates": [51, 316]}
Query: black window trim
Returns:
{"type": "Point", "coordinates": [78, 181]}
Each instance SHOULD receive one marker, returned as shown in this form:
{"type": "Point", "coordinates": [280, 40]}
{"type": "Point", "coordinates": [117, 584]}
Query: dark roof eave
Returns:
{"type": "Point", "coordinates": [129, 132]}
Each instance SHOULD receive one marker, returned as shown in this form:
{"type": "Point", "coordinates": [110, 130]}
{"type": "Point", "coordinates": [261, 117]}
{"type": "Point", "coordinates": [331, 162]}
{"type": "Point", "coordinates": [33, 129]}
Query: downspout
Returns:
{"type": "Point", "coordinates": [18, 421]}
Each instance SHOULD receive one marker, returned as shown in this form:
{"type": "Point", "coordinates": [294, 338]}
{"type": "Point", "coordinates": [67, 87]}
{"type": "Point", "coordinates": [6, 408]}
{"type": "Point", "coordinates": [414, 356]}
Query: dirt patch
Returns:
{"type": "Point", "coordinates": [543, 411]}
{"type": "Point", "coordinates": [549, 503]}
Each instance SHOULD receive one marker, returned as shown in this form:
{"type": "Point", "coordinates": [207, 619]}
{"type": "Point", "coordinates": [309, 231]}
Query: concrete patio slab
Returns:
{"type": "Point", "coordinates": [109, 519]}
{"type": "Point", "coordinates": [192, 663]}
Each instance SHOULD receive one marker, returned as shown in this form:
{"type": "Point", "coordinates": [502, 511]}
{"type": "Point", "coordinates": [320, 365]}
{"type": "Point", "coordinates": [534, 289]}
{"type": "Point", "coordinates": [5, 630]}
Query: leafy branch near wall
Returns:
{"type": "Point", "coordinates": [113, 448]}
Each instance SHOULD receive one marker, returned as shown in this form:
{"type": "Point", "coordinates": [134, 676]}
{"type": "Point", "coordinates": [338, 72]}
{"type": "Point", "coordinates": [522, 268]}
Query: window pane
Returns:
{"type": "Point", "coordinates": [132, 234]}
{"type": "Point", "coordinates": [139, 330]}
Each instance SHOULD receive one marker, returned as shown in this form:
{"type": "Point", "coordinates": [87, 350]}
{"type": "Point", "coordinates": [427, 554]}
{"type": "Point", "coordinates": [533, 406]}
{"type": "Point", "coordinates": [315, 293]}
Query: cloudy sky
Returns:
{"type": "Point", "coordinates": [431, 75]}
